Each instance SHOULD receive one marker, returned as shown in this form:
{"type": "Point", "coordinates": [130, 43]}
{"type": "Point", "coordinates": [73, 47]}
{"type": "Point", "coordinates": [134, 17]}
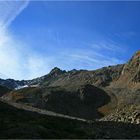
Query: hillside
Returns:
{"type": "Point", "coordinates": [110, 96]}
{"type": "Point", "coordinates": [19, 124]}
{"type": "Point", "coordinates": [81, 93]}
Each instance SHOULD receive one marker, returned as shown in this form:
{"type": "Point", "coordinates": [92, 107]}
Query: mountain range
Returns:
{"type": "Point", "coordinates": [110, 94]}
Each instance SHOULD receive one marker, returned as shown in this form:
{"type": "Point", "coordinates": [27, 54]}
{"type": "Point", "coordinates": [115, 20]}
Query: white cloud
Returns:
{"type": "Point", "coordinates": [38, 66]}
{"type": "Point", "coordinates": [19, 62]}
{"type": "Point", "coordinates": [13, 56]}
{"type": "Point", "coordinates": [16, 61]}
{"type": "Point", "coordinates": [9, 55]}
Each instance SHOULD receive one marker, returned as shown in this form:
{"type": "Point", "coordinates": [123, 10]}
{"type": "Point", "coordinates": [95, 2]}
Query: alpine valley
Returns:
{"type": "Point", "coordinates": [102, 103]}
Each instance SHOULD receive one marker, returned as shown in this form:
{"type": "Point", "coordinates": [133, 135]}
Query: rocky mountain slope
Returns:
{"type": "Point", "coordinates": [101, 77]}
{"type": "Point", "coordinates": [127, 114]}
{"type": "Point", "coordinates": [72, 93]}
{"type": "Point", "coordinates": [82, 93]}
{"type": "Point", "coordinates": [82, 103]}
{"type": "Point", "coordinates": [110, 95]}
{"type": "Point", "coordinates": [20, 124]}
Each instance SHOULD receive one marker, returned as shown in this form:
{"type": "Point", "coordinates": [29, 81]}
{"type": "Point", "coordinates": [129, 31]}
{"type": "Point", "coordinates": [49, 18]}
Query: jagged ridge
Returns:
{"type": "Point", "coordinates": [82, 93]}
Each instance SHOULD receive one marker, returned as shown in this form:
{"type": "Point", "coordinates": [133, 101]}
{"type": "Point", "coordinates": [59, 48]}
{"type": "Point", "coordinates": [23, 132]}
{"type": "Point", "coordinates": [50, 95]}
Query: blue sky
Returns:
{"type": "Point", "coordinates": [70, 35]}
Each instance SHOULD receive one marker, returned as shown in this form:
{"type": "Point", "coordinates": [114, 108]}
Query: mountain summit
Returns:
{"type": "Point", "coordinates": [56, 71]}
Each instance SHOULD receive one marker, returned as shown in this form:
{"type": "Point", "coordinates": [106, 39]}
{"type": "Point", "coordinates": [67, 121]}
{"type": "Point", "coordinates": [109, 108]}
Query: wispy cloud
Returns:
{"type": "Point", "coordinates": [9, 10]}
{"type": "Point", "coordinates": [107, 45]}
{"type": "Point", "coordinates": [95, 55]}
{"type": "Point", "coordinates": [18, 61]}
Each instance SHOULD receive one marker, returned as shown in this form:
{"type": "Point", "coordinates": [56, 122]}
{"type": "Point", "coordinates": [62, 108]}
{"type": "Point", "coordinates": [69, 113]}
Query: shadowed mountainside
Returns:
{"type": "Point", "coordinates": [84, 102]}
{"type": "Point", "coordinates": [15, 123]}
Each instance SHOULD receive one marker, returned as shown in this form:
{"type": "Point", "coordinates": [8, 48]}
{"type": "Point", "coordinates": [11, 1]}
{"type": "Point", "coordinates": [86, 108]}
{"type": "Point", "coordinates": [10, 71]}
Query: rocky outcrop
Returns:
{"type": "Point", "coordinates": [131, 71]}
{"type": "Point", "coordinates": [129, 114]}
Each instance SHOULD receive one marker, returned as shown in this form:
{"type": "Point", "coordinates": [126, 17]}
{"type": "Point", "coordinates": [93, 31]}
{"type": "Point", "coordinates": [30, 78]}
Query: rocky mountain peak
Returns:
{"type": "Point", "coordinates": [56, 71]}
{"type": "Point", "coordinates": [131, 70]}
